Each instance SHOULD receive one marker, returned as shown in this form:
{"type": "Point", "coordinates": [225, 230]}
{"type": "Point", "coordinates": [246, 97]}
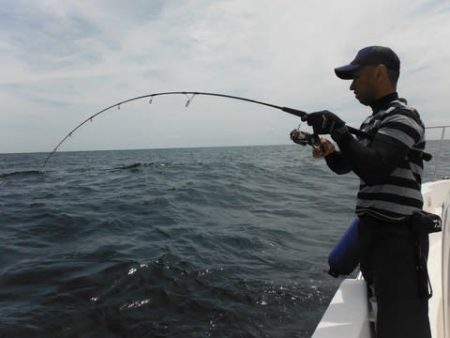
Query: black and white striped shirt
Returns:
{"type": "Point", "coordinates": [400, 193]}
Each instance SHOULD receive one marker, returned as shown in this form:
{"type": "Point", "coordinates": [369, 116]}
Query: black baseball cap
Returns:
{"type": "Point", "coordinates": [369, 56]}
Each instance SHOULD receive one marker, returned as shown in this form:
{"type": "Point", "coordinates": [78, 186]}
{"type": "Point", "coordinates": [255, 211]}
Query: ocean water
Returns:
{"type": "Point", "coordinates": [205, 242]}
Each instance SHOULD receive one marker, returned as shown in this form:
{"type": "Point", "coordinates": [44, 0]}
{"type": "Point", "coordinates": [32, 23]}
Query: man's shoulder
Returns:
{"type": "Point", "coordinates": [400, 111]}
{"type": "Point", "coordinates": [400, 122]}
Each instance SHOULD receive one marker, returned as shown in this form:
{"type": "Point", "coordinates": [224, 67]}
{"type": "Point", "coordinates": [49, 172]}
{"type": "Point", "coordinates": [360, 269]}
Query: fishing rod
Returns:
{"type": "Point", "coordinates": [190, 95]}
{"type": "Point", "coordinates": [299, 137]}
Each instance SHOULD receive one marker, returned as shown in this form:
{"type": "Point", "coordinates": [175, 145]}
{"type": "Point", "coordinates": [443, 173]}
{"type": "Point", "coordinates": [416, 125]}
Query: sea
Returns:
{"type": "Point", "coordinates": [193, 242]}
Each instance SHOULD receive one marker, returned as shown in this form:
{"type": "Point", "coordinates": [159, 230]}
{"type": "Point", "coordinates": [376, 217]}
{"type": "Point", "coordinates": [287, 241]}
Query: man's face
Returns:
{"type": "Point", "coordinates": [364, 85]}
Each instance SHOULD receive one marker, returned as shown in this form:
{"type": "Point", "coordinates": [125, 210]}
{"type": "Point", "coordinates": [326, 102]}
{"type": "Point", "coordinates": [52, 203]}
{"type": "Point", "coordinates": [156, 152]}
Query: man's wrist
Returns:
{"type": "Point", "coordinates": [339, 134]}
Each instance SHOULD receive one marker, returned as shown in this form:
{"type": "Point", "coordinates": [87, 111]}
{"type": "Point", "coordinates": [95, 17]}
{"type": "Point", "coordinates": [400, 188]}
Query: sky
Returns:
{"type": "Point", "coordinates": [62, 61]}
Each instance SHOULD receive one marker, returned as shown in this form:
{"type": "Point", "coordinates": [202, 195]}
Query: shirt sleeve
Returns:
{"type": "Point", "coordinates": [374, 163]}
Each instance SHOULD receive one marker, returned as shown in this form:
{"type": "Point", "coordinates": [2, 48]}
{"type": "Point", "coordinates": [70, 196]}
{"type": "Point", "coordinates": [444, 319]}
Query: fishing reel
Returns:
{"type": "Point", "coordinates": [302, 137]}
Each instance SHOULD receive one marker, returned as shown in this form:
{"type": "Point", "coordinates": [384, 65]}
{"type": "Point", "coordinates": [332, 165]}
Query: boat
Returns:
{"type": "Point", "coordinates": [351, 313]}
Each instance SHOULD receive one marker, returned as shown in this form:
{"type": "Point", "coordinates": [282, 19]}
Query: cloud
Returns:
{"type": "Point", "coordinates": [62, 61]}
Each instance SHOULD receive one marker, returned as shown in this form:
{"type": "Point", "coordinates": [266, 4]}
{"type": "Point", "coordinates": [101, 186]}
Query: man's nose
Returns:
{"type": "Point", "coordinates": [352, 85]}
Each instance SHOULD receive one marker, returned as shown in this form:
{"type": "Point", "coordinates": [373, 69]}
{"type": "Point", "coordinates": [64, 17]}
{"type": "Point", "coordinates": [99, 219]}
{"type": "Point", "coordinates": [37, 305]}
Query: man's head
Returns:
{"type": "Point", "coordinates": [374, 71]}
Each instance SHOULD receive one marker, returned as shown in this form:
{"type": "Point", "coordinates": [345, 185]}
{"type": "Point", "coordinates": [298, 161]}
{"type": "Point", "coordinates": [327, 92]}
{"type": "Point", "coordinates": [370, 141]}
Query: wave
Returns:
{"type": "Point", "coordinates": [22, 173]}
{"type": "Point", "coordinates": [140, 165]}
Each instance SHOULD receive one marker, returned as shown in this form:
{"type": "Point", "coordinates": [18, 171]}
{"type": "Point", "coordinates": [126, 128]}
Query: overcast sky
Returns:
{"type": "Point", "coordinates": [62, 61]}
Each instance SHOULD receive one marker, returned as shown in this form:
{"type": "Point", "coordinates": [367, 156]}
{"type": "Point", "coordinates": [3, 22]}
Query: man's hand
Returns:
{"type": "Point", "coordinates": [326, 148]}
{"type": "Point", "coordinates": [323, 122]}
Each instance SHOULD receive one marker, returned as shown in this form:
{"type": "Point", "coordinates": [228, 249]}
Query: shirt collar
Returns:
{"type": "Point", "coordinates": [383, 102]}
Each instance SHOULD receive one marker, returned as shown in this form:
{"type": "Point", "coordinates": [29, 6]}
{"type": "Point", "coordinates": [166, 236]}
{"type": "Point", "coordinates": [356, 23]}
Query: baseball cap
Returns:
{"type": "Point", "coordinates": [369, 56]}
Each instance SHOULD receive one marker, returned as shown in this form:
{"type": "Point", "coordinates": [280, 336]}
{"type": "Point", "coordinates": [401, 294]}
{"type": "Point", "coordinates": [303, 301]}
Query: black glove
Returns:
{"type": "Point", "coordinates": [323, 122]}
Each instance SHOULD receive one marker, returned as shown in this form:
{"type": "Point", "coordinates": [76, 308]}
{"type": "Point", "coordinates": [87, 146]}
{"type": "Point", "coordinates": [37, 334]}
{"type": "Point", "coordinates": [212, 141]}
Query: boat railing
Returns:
{"type": "Point", "coordinates": [438, 154]}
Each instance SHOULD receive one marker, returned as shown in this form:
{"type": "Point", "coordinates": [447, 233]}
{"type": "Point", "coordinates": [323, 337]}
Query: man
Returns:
{"type": "Point", "coordinates": [390, 171]}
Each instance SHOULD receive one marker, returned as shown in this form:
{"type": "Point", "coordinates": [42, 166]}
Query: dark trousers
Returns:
{"type": "Point", "coordinates": [388, 262]}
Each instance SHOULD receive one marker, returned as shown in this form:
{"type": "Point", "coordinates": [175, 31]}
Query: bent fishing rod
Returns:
{"type": "Point", "coordinates": [300, 137]}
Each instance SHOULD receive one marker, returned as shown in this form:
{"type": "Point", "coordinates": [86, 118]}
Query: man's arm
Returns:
{"type": "Point", "coordinates": [374, 163]}
{"type": "Point", "coordinates": [337, 162]}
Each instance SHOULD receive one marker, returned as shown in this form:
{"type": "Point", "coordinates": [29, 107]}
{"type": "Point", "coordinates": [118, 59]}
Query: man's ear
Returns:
{"type": "Point", "coordinates": [381, 71]}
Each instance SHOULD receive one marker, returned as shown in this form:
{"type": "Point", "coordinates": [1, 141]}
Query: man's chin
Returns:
{"type": "Point", "coordinates": [367, 99]}
{"type": "Point", "coordinates": [362, 101]}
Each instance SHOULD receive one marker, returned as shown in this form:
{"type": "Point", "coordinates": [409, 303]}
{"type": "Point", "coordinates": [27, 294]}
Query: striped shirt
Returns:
{"type": "Point", "coordinates": [400, 194]}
